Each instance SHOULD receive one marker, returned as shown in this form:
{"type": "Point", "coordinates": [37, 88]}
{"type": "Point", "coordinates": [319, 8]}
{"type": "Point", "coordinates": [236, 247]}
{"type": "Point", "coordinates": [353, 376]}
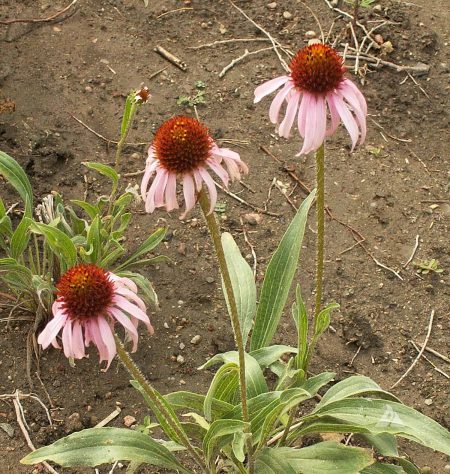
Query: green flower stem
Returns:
{"type": "Point", "coordinates": [320, 209]}
{"type": "Point", "coordinates": [136, 373]}
{"type": "Point", "coordinates": [124, 136]}
{"type": "Point", "coordinates": [216, 238]}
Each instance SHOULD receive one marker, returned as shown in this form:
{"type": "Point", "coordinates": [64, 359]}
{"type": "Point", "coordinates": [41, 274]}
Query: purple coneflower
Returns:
{"type": "Point", "coordinates": [183, 149]}
{"type": "Point", "coordinates": [315, 87]}
{"type": "Point", "coordinates": [89, 302]}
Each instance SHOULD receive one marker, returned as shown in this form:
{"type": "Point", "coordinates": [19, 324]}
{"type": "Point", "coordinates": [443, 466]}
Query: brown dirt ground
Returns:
{"type": "Point", "coordinates": [84, 64]}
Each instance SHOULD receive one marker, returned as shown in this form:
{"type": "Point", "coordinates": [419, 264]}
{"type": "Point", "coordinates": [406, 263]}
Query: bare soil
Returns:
{"type": "Point", "coordinates": [392, 189]}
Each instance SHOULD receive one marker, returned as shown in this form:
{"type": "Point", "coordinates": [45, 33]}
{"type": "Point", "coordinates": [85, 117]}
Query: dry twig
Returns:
{"type": "Point", "coordinates": [416, 246]}
{"type": "Point", "coordinates": [240, 58]}
{"type": "Point", "coordinates": [174, 11]}
{"type": "Point", "coordinates": [419, 355]}
{"type": "Point", "coordinates": [171, 58]}
{"type": "Point", "coordinates": [436, 353]}
{"type": "Point", "coordinates": [109, 418]}
{"type": "Point", "coordinates": [39, 20]}
{"type": "Point", "coordinates": [437, 369]}
{"type": "Point", "coordinates": [232, 40]}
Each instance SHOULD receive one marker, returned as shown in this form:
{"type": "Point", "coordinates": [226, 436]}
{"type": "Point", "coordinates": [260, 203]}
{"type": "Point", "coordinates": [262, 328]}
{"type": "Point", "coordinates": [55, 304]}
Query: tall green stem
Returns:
{"type": "Point", "coordinates": [124, 136]}
{"type": "Point", "coordinates": [320, 209]}
{"type": "Point", "coordinates": [136, 373]}
{"type": "Point", "coordinates": [216, 238]}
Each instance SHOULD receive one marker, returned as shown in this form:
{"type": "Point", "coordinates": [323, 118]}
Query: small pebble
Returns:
{"type": "Point", "coordinates": [379, 39]}
{"type": "Point", "coordinates": [196, 339]}
{"type": "Point", "coordinates": [253, 218]}
{"type": "Point", "coordinates": [428, 401]}
{"type": "Point", "coordinates": [426, 470]}
{"type": "Point", "coordinates": [272, 5]}
{"type": "Point", "coordinates": [376, 8]}
{"type": "Point", "coordinates": [180, 359]}
{"type": "Point", "coordinates": [166, 325]}
{"type": "Point", "coordinates": [182, 345]}
{"type": "Point", "coordinates": [310, 34]}
{"type": "Point", "coordinates": [287, 15]}
{"type": "Point", "coordinates": [447, 468]}
{"type": "Point", "coordinates": [209, 280]}
{"type": "Point", "coordinates": [88, 89]}
{"type": "Point", "coordinates": [135, 156]}
{"type": "Point", "coordinates": [129, 421]}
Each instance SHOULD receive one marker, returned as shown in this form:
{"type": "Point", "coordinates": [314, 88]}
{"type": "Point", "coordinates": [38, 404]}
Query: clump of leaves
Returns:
{"type": "Point", "coordinates": [362, 3]}
{"type": "Point", "coordinates": [197, 98]}
{"type": "Point", "coordinates": [427, 266]}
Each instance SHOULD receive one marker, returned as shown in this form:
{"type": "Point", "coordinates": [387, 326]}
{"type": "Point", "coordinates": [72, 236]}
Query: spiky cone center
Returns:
{"type": "Point", "coordinates": [317, 68]}
{"type": "Point", "coordinates": [85, 291]}
{"type": "Point", "coordinates": [182, 144]}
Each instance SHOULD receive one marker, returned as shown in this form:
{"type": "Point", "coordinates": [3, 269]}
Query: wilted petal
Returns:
{"type": "Point", "coordinates": [171, 192]}
{"type": "Point", "coordinates": [275, 106]}
{"type": "Point", "coordinates": [221, 173]}
{"type": "Point", "coordinates": [347, 118]}
{"type": "Point", "coordinates": [188, 193]}
{"type": "Point", "coordinates": [291, 111]}
{"type": "Point", "coordinates": [108, 340]}
{"type": "Point", "coordinates": [49, 333]}
{"type": "Point", "coordinates": [211, 188]}
{"type": "Point", "coordinates": [268, 87]}
{"type": "Point", "coordinates": [127, 324]}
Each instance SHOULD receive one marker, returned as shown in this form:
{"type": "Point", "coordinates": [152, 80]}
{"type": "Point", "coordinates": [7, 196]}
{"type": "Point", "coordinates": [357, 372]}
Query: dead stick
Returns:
{"type": "Point", "coordinates": [38, 20]}
{"type": "Point", "coordinates": [171, 58]}
{"type": "Point", "coordinates": [436, 353]}
{"type": "Point", "coordinates": [416, 246]}
{"type": "Point", "coordinates": [427, 337]}
{"type": "Point", "coordinates": [437, 369]}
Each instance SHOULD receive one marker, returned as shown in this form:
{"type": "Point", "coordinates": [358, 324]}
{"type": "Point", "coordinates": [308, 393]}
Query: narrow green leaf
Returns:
{"type": "Point", "coordinates": [278, 279]}
{"type": "Point", "coordinates": [219, 434]}
{"type": "Point", "coordinates": [238, 445]}
{"type": "Point", "coordinates": [223, 387]}
{"type": "Point", "coordinates": [351, 386]}
{"type": "Point", "coordinates": [188, 400]}
{"type": "Point", "coordinates": [96, 446]}
{"type": "Point", "coordinates": [150, 243]}
{"type": "Point", "coordinates": [256, 382]}
{"type": "Point", "coordinates": [385, 416]}
{"type": "Point", "coordinates": [20, 237]}
{"type": "Point", "coordinates": [315, 383]}
{"type": "Point", "coordinates": [127, 112]}
{"type": "Point", "coordinates": [323, 319]}
{"type": "Point", "coordinates": [17, 177]}
{"type": "Point", "coordinates": [328, 457]}
{"type": "Point", "coordinates": [266, 356]}
{"type": "Point", "coordinates": [93, 239]}
{"type": "Point", "coordinates": [382, 468]}
{"type": "Point", "coordinates": [105, 170]}
{"type": "Point", "coordinates": [90, 209]}
{"type": "Point", "coordinates": [243, 283]}
{"type": "Point", "coordinates": [301, 323]}
{"type": "Point", "coordinates": [59, 242]}
{"type": "Point", "coordinates": [384, 443]}
{"type": "Point", "coordinates": [269, 461]}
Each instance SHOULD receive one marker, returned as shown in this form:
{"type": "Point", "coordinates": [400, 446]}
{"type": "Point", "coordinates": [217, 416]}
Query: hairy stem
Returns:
{"type": "Point", "coordinates": [216, 238]}
{"type": "Point", "coordinates": [320, 209]}
{"type": "Point", "coordinates": [136, 373]}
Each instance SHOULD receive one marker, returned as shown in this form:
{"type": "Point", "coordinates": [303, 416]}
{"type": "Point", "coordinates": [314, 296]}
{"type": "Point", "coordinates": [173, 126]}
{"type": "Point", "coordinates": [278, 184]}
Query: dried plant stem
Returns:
{"type": "Point", "coordinates": [150, 391]}
{"type": "Point", "coordinates": [216, 238]}
{"type": "Point", "coordinates": [320, 209]}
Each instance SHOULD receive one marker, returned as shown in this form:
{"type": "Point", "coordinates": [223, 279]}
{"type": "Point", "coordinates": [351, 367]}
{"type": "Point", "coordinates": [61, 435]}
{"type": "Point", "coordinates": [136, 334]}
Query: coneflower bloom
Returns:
{"type": "Point", "coordinates": [183, 149]}
{"type": "Point", "coordinates": [89, 302]}
{"type": "Point", "coordinates": [315, 88]}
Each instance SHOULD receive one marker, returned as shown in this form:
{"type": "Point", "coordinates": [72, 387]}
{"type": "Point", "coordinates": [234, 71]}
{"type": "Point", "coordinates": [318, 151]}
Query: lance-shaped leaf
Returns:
{"type": "Point", "coordinates": [193, 401]}
{"type": "Point", "coordinates": [278, 279]}
{"type": "Point", "coordinates": [383, 468]}
{"type": "Point", "coordinates": [97, 446]}
{"type": "Point", "coordinates": [322, 458]}
{"type": "Point", "coordinates": [243, 282]}
{"type": "Point", "coordinates": [105, 170]}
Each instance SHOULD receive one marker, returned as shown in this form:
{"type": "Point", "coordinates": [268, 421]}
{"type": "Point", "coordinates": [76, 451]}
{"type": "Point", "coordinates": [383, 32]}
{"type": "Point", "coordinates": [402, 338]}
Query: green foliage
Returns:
{"type": "Point", "coordinates": [40, 249]}
{"type": "Point", "coordinates": [362, 3]}
{"type": "Point", "coordinates": [196, 98]}
{"type": "Point", "coordinates": [427, 266]}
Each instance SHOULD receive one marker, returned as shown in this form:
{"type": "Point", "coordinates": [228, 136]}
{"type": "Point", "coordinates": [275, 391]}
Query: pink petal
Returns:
{"type": "Point", "coordinates": [67, 339]}
{"type": "Point", "coordinates": [268, 87]}
{"type": "Point", "coordinates": [335, 119]}
{"type": "Point", "coordinates": [127, 324]}
{"type": "Point", "coordinates": [291, 111]}
{"type": "Point", "coordinates": [108, 340]}
{"type": "Point", "coordinates": [225, 152]}
{"type": "Point", "coordinates": [51, 330]}
{"type": "Point", "coordinates": [211, 188]}
{"type": "Point", "coordinates": [361, 99]}
{"type": "Point", "coordinates": [171, 192]}
{"type": "Point", "coordinates": [131, 296]}
{"type": "Point", "coordinates": [149, 170]}
{"type": "Point", "coordinates": [163, 176]}
{"type": "Point", "coordinates": [77, 341]}
{"type": "Point", "coordinates": [198, 180]}
{"type": "Point", "coordinates": [316, 123]}
{"type": "Point", "coordinates": [275, 106]}
{"type": "Point", "coordinates": [221, 173]}
{"type": "Point", "coordinates": [347, 118]}
{"type": "Point", "coordinates": [349, 95]}
{"type": "Point", "coordinates": [188, 193]}
{"type": "Point", "coordinates": [133, 310]}
{"type": "Point", "coordinates": [233, 168]}
{"type": "Point", "coordinates": [303, 112]}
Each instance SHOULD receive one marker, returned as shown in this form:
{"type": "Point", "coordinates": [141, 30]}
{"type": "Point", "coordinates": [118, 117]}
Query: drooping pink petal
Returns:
{"type": "Point", "coordinates": [123, 282]}
{"type": "Point", "coordinates": [198, 180]}
{"type": "Point", "coordinates": [161, 186]}
{"type": "Point", "coordinates": [358, 94]}
{"type": "Point", "coordinates": [349, 95]}
{"type": "Point", "coordinates": [67, 339]}
{"type": "Point", "coordinates": [149, 197]}
{"type": "Point", "coordinates": [171, 192]}
{"type": "Point", "coordinates": [291, 111]}
{"type": "Point", "coordinates": [335, 119]}
{"type": "Point", "coordinates": [275, 106]}
{"type": "Point", "coordinates": [127, 324]}
{"type": "Point", "coordinates": [347, 118]}
{"type": "Point", "coordinates": [268, 87]}
{"type": "Point", "coordinates": [225, 152]}
{"type": "Point", "coordinates": [315, 126]}
{"type": "Point", "coordinates": [221, 173]}
{"type": "Point", "coordinates": [233, 168]}
{"type": "Point", "coordinates": [49, 333]}
{"type": "Point", "coordinates": [133, 310]}
{"type": "Point", "coordinates": [211, 188]}
{"type": "Point", "coordinates": [77, 341]}
{"type": "Point", "coordinates": [303, 112]}
{"type": "Point", "coordinates": [149, 171]}
{"type": "Point", "coordinates": [131, 295]}
{"type": "Point", "coordinates": [108, 340]}
{"type": "Point", "coordinates": [188, 193]}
